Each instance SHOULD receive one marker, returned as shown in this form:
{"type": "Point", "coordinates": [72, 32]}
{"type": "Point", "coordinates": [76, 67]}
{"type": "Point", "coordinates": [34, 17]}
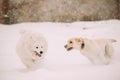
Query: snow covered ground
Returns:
{"type": "Point", "coordinates": [60, 64]}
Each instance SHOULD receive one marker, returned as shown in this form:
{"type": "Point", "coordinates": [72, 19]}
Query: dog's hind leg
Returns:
{"type": "Point", "coordinates": [109, 52]}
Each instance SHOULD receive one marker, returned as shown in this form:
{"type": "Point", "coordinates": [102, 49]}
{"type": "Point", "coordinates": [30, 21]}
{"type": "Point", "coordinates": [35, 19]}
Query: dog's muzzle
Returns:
{"type": "Point", "coordinates": [68, 49]}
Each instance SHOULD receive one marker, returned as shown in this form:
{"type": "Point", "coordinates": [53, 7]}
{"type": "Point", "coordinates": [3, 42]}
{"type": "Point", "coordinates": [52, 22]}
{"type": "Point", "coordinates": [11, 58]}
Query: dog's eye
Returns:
{"type": "Point", "coordinates": [71, 42]}
{"type": "Point", "coordinates": [36, 47]}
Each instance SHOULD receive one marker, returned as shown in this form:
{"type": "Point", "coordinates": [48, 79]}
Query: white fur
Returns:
{"type": "Point", "coordinates": [98, 51]}
{"type": "Point", "coordinates": [26, 49]}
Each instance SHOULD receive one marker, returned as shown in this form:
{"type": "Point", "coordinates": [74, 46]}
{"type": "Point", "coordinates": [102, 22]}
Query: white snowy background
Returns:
{"type": "Point", "coordinates": [60, 64]}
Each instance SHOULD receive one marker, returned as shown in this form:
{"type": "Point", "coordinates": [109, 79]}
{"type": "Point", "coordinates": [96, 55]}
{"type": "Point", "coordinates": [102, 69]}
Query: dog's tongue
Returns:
{"type": "Point", "coordinates": [37, 54]}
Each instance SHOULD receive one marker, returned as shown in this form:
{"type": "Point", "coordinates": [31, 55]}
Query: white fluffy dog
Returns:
{"type": "Point", "coordinates": [31, 49]}
{"type": "Point", "coordinates": [98, 51]}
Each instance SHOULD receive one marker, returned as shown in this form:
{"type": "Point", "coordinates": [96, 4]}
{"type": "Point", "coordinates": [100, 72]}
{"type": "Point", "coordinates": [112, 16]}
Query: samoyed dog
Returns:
{"type": "Point", "coordinates": [31, 49]}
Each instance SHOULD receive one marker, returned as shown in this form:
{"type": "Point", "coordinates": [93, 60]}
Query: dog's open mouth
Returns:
{"type": "Point", "coordinates": [70, 48]}
{"type": "Point", "coordinates": [37, 54]}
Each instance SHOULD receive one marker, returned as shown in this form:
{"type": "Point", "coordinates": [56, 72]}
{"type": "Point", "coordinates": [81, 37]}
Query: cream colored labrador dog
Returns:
{"type": "Point", "coordinates": [98, 51]}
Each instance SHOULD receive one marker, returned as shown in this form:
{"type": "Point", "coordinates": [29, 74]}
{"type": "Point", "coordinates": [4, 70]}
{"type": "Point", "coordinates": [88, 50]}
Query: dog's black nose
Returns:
{"type": "Point", "coordinates": [41, 52]}
{"type": "Point", "coordinates": [65, 46]}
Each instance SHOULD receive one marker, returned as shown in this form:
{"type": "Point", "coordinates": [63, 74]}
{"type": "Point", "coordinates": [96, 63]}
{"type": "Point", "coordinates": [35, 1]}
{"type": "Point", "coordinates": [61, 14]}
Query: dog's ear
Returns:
{"type": "Point", "coordinates": [82, 45]}
{"type": "Point", "coordinates": [81, 41]}
{"type": "Point", "coordinates": [31, 37]}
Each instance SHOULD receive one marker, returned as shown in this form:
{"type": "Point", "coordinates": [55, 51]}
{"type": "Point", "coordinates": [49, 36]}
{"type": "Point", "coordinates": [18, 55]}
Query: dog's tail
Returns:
{"type": "Point", "coordinates": [22, 31]}
{"type": "Point", "coordinates": [113, 40]}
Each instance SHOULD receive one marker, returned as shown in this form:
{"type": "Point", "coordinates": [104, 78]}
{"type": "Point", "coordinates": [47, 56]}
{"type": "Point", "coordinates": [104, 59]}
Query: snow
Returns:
{"type": "Point", "coordinates": [59, 64]}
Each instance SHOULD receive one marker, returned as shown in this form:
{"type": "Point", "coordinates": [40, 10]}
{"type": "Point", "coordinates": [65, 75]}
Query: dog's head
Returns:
{"type": "Point", "coordinates": [75, 43]}
{"type": "Point", "coordinates": [37, 45]}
